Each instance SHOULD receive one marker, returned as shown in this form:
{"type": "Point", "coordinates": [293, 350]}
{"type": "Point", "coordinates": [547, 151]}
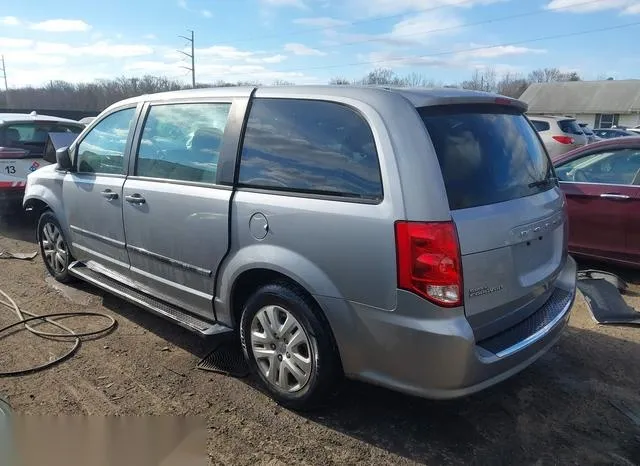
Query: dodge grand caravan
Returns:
{"type": "Point", "coordinates": [414, 239]}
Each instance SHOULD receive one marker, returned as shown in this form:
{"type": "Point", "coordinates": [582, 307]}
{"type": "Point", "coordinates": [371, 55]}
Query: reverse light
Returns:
{"type": "Point", "coordinates": [564, 139]}
{"type": "Point", "coordinates": [429, 262]}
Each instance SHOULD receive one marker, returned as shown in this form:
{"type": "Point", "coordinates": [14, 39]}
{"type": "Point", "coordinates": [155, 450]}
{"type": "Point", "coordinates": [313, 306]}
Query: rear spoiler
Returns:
{"type": "Point", "coordinates": [57, 141]}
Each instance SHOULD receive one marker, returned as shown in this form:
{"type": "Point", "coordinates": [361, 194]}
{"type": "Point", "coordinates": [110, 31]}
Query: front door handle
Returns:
{"type": "Point", "coordinates": [135, 199]}
{"type": "Point", "coordinates": [109, 195]}
{"type": "Point", "coordinates": [615, 197]}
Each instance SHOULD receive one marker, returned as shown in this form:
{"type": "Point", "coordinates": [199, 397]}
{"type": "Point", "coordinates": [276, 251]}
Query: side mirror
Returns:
{"type": "Point", "coordinates": [64, 159]}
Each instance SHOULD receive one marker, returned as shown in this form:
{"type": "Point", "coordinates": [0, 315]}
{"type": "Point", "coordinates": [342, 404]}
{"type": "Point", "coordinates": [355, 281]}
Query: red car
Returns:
{"type": "Point", "coordinates": [601, 182]}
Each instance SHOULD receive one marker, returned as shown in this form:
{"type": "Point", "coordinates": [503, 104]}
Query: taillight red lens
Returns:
{"type": "Point", "coordinates": [429, 263]}
{"type": "Point", "coordinates": [564, 139]}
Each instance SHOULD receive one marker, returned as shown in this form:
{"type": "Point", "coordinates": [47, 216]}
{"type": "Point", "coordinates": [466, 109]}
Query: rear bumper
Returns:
{"type": "Point", "coordinates": [438, 357]}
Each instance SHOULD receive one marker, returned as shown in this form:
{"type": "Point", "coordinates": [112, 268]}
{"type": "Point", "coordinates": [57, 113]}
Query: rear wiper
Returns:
{"type": "Point", "coordinates": [542, 183]}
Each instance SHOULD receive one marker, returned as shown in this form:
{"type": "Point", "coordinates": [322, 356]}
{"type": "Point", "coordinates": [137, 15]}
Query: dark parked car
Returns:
{"type": "Point", "coordinates": [601, 182]}
{"type": "Point", "coordinates": [609, 133]}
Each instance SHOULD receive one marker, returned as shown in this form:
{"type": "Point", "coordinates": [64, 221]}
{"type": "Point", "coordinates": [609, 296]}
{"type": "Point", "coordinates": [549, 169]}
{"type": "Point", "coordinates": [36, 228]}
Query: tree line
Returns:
{"type": "Point", "coordinates": [96, 96]}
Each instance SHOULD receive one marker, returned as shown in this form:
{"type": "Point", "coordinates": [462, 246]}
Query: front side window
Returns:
{"type": "Point", "coordinates": [620, 167]}
{"type": "Point", "coordinates": [182, 141]}
{"type": "Point", "coordinates": [310, 146]}
{"type": "Point", "coordinates": [102, 149]}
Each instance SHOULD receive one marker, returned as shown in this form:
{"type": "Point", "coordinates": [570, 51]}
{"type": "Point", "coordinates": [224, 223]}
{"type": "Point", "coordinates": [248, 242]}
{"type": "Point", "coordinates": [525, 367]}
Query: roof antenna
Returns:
{"type": "Point", "coordinates": [33, 113]}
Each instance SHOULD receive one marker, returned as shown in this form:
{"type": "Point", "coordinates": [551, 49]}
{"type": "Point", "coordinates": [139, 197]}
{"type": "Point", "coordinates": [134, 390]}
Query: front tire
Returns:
{"type": "Point", "coordinates": [54, 248]}
{"type": "Point", "coordinates": [289, 347]}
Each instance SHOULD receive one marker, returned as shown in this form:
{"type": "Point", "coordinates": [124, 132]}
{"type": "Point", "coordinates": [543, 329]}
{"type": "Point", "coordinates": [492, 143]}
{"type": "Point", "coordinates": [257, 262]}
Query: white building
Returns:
{"type": "Point", "coordinates": [601, 104]}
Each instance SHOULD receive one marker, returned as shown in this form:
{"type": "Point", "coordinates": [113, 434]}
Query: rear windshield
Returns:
{"type": "Point", "coordinates": [487, 154]}
{"type": "Point", "coordinates": [32, 136]}
{"type": "Point", "coordinates": [570, 127]}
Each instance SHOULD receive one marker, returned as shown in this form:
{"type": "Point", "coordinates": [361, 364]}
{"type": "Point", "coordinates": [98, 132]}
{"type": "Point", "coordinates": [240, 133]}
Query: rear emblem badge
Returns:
{"type": "Point", "coordinates": [484, 290]}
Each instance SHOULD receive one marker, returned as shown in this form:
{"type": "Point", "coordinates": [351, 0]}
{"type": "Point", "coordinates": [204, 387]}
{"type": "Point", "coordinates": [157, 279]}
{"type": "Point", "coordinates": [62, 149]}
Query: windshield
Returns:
{"type": "Point", "coordinates": [487, 154]}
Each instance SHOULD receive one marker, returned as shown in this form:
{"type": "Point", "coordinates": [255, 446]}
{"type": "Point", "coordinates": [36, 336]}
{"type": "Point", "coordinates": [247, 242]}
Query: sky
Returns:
{"type": "Point", "coordinates": [312, 41]}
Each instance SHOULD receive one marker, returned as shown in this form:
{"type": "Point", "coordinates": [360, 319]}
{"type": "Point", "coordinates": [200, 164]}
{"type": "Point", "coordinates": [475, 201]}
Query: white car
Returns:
{"type": "Point", "coordinates": [23, 137]}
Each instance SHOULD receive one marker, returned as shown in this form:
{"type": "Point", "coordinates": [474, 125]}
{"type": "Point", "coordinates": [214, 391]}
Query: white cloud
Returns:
{"type": "Point", "coordinates": [322, 22]}
{"type": "Point", "coordinates": [223, 51]}
{"type": "Point", "coordinates": [183, 4]}
{"type": "Point", "coordinates": [11, 43]}
{"type": "Point", "coordinates": [390, 7]}
{"type": "Point", "coordinates": [61, 25]}
{"type": "Point", "coordinates": [583, 6]}
{"type": "Point", "coordinates": [301, 49]}
{"type": "Point", "coordinates": [424, 25]}
{"type": "Point", "coordinates": [296, 3]}
{"type": "Point", "coordinates": [9, 21]}
{"type": "Point", "coordinates": [206, 13]}
{"type": "Point", "coordinates": [150, 36]}
{"type": "Point", "coordinates": [271, 59]}
{"type": "Point", "coordinates": [498, 51]}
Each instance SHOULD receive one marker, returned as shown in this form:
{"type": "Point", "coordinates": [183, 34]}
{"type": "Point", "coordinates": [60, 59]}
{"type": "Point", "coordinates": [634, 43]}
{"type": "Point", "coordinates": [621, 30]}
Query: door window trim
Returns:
{"type": "Point", "coordinates": [302, 194]}
{"type": "Point", "coordinates": [227, 134]}
{"type": "Point", "coordinates": [73, 150]}
{"type": "Point", "coordinates": [594, 152]}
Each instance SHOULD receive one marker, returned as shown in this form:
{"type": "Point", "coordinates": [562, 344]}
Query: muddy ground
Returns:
{"type": "Point", "coordinates": [559, 411]}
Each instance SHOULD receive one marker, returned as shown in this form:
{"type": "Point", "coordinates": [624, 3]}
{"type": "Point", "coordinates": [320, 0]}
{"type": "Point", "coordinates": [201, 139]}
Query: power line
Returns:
{"type": "Point", "coordinates": [402, 15]}
{"type": "Point", "coordinates": [473, 49]}
{"type": "Point", "coordinates": [192, 56]}
{"type": "Point", "coordinates": [353, 23]}
{"type": "Point", "coordinates": [465, 25]}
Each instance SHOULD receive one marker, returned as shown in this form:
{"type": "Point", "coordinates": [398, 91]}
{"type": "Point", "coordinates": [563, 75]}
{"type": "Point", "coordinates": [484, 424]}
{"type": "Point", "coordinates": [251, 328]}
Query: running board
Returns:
{"type": "Point", "coordinates": [163, 309]}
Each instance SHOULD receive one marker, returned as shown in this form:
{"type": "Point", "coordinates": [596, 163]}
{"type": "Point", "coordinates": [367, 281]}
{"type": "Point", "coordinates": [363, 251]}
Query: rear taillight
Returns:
{"type": "Point", "coordinates": [429, 263]}
{"type": "Point", "coordinates": [564, 139]}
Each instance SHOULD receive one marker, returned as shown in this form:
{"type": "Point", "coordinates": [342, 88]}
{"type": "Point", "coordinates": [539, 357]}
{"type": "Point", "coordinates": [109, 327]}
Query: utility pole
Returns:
{"type": "Point", "coordinates": [4, 72]}
{"type": "Point", "coordinates": [192, 55]}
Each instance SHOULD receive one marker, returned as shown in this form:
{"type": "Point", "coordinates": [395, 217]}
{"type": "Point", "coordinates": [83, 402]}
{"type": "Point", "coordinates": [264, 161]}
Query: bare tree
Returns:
{"type": "Point", "coordinates": [339, 81]}
{"type": "Point", "coordinates": [512, 85]}
{"type": "Point", "coordinates": [549, 75]}
{"type": "Point", "coordinates": [482, 80]}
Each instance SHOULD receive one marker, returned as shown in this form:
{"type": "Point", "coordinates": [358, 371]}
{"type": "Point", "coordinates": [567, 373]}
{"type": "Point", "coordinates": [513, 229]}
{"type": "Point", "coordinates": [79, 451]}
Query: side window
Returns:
{"type": "Point", "coordinates": [102, 149]}
{"type": "Point", "coordinates": [611, 167]}
{"type": "Point", "coordinates": [540, 125]}
{"type": "Point", "coordinates": [182, 141]}
{"type": "Point", "coordinates": [310, 146]}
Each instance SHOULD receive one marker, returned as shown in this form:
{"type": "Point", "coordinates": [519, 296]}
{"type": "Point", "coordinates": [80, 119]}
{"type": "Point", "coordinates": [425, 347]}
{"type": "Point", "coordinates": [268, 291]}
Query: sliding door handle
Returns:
{"type": "Point", "coordinates": [135, 199]}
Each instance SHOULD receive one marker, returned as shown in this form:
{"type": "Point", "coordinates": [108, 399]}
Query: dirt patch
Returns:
{"type": "Point", "coordinates": [559, 411]}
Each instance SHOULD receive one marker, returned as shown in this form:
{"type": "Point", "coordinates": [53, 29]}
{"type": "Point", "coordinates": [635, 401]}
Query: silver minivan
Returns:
{"type": "Point", "coordinates": [413, 239]}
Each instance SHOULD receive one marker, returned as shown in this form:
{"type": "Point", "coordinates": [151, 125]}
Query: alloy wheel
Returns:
{"type": "Point", "coordinates": [281, 348]}
{"type": "Point", "coordinates": [54, 248]}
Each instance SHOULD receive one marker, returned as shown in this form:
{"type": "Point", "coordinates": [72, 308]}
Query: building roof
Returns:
{"type": "Point", "coordinates": [576, 97]}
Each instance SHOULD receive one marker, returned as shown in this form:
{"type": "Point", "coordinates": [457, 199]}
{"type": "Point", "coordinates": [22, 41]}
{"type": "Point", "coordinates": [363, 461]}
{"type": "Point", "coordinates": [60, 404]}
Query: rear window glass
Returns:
{"type": "Point", "coordinates": [32, 136]}
{"type": "Point", "coordinates": [487, 154]}
{"type": "Point", "coordinates": [540, 125]}
{"type": "Point", "coordinates": [310, 146]}
{"type": "Point", "coordinates": [570, 127]}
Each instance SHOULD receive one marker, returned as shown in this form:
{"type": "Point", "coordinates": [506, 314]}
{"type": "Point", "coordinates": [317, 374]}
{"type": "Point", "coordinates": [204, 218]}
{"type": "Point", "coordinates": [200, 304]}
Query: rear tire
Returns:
{"type": "Point", "coordinates": [54, 248]}
{"type": "Point", "coordinates": [289, 347]}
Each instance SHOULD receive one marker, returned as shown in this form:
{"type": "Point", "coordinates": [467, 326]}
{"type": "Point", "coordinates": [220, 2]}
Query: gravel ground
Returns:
{"type": "Point", "coordinates": [559, 411]}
